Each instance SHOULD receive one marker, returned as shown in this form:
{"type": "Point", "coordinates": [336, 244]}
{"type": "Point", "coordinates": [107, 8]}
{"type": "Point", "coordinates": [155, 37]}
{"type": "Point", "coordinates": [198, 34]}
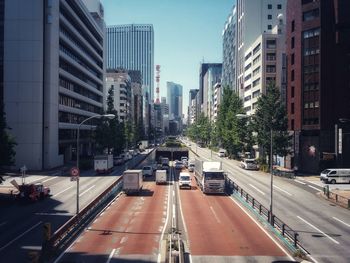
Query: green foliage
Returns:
{"type": "Point", "coordinates": [230, 129]}
{"type": "Point", "coordinates": [7, 142]}
{"type": "Point", "coordinates": [271, 114]}
{"type": "Point", "coordinates": [109, 134]}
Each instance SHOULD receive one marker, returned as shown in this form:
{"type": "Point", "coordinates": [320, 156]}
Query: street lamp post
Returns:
{"type": "Point", "coordinates": [242, 116]}
{"type": "Point", "coordinates": [109, 116]}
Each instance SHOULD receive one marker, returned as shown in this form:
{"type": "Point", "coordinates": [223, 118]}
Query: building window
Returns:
{"type": "Point", "coordinates": [271, 43]}
{"type": "Point", "coordinates": [270, 68]}
{"type": "Point", "coordinates": [292, 75]}
{"type": "Point", "coordinates": [248, 56]}
{"type": "Point", "coordinates": [292, 108]}
{"type": "Point", "coordinates": [292, 42]}
{"type": "Point", "coordinates": [292, 124]}
{"type": "Point", "coordinates": [269, 27]}
{"type": "Point", "coordinates": [271, 56]}
{"type": "Point", "coordinates": [256, 49]}
{"type": "Point", "coordinates": [256, 60]}
{"type": "Point", "coordinates": [279, 6]}
{"type": "Point", "coordinates": [292, 92]}
{"type": "Point", "coordinates": [256, 93]}
{"type": "Point", "coordinates": [293, 26]}
{"type": "Point", "coordinates": [247, 98]}
{"type": "Point", "coordinates": [256, 82]}
{"type": "Point", "coordinates": [311, 15]}
{"type": "Point", "coordinates": [292, 59]}
{"type": "Point", "coordinates": [269, 6]}
{"type": "Point", "coordinates": [304, 2]}
{"type": "Point", "coordinates": [269, 17]}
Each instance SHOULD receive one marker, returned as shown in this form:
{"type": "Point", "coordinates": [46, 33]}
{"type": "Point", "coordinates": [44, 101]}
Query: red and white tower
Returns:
{"type": "Point", "coordinates": [157, 81]}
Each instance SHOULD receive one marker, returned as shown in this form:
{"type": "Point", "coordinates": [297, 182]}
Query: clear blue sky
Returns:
{"type": "Point", "coordinates": [186, 32]}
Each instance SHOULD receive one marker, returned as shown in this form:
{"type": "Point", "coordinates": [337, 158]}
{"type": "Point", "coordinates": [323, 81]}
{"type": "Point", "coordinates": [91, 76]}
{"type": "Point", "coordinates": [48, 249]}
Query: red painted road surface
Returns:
{"type": "Point", "coordinates": [218, 227]}
{"type": "Point", "coordinates": [131, 226]}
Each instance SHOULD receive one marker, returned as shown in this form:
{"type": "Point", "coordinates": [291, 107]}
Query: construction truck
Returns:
{"type": "Point", "coordinates": [30, 192]}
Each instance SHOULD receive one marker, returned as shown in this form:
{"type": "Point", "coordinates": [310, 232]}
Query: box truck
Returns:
{"type": "Point", "coordinates": [103, 163]}
{"type": "Point", "coordinates": [161, 177]}
{"type": "Point", "coordinates": [132, 181]}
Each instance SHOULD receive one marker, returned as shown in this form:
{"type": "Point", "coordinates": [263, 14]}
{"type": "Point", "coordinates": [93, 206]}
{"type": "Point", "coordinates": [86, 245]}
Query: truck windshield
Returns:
{"type": "Point", "coordinates": [184, 178]}
{"type": "Point", "coordinates": [214, 176]}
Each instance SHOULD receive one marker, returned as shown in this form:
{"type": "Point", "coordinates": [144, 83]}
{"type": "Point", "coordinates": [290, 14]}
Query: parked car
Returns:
{"type": "Point", "coordinates": [249, 164]}
{"type": "Point", "coordinates": [178, 164]}
{"type": "Point", "coordinates": [334, 176]}
{"type": "Point", "coordinates": [118, 160]}
{"type": "Point", "coordinates": [147, 171]}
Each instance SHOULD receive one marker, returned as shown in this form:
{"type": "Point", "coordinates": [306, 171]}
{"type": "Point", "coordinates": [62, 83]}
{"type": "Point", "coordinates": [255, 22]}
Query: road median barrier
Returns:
{"type": "Point", "coordinates": [74, 226]}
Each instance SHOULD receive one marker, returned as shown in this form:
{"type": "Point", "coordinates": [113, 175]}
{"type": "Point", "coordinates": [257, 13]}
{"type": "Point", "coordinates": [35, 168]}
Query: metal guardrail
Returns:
{"type": "Point", "coordinates": [66, 233]}
{"type": "Point", "coordinates": [334, 197]}
{"type": "Point", "coordinates": [277, 223]}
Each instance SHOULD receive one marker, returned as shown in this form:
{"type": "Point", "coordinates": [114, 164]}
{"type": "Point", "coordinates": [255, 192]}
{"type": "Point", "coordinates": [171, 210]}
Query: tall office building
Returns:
{"type": "Point", "coordinates": [229, 41]}
{"type": "Point", "coordinates": [248, 29]}
{"type": "Point", "coordinates": [191, 106]}
{"type": "Point", "coordinates": [211, 78]}
{"type": "Point", "coordinates": [318, 48]}
{"type": "Point", "coordinates": [132, 47]}
{"type": "Point", "coordinates": [53, 79]}
{"type": "Point", "coordinates": [174, 98]}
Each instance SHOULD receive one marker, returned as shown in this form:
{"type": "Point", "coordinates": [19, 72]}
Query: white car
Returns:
{"type": "Point", "coordinates": [222, 153]}
{"type": "Point", "coordinates": [147, 171]}
{"type": "Point", "coordinates": [249, 164]}
{"type": "Point", "coordinates": [184, 180]}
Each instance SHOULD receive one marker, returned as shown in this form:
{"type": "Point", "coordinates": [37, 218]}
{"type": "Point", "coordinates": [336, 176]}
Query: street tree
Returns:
{"type": "Point", "coordinates": [7, 142]}
{"type": "Point", "coordinates": [271, 114]}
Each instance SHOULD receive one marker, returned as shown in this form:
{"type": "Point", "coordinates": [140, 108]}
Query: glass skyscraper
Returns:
{"type": "Point", "coordinates": [174, 98]}
{"type": "Point", "coordinates": [132, 47]}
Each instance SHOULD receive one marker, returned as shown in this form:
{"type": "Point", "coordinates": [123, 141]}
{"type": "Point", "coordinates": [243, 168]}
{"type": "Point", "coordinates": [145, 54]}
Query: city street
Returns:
{"type": "Point", "coordinates": [21, 225]}
{"type": "Point", "coordinates": [324, 228]}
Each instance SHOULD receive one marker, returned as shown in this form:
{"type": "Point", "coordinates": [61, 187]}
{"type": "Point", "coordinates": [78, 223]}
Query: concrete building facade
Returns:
{"type": "Point", "coordinates": [53, 79]}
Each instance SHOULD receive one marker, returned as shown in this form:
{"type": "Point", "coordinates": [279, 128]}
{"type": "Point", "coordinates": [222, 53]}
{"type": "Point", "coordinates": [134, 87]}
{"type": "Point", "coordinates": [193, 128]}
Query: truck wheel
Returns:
{"type": "Point", "coordinates": [333, 181]}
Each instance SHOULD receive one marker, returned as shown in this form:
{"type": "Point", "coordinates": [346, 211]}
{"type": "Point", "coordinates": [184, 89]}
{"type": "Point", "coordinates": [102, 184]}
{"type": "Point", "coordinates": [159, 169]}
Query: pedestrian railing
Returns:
{"type": "Point", "coordinates": [286, 231]}
{"type": "Point", "coordinates": [334, 197]}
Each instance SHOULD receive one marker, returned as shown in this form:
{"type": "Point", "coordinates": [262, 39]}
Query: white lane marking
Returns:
{"type": "Point", "coordinates": [341, 221]}
{"type": "Point", "coordinates": [300, 182]}
{"type": "Point", "coordinates": [3, 223]}
{"type": "Point", "coordinates": [87, 190]}
{"type": "Point", "coordinates": [314, 187]}
{"type": "Point", "coordinates": [165, 224]}
{"type": "Point", "coordinates": [215, 215]}
{"type": "Point", "coordinates": [21, 235]}
{"type": "Point", "coordinates": [323, 233]}
{"type": "Point", "coordinates": [110, 255]}
{"type": "Point", "coordinates": [282, 190]}
{"type": "Point", "coordinates": [258, 224]}
{"type": "Point", "coordinates": [62, 191]}
{"type": "Point", "coordinates": [49, 179]}
{"type": "Point", "coordinates": [173, 193]}
{"type": "Point", "coordinates": [261, 192]}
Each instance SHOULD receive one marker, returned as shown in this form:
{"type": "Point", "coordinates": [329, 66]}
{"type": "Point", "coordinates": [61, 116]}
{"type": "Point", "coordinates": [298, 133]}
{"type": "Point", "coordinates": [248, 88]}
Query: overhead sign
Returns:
{"type": "Point", "coordinates": [74, 173]}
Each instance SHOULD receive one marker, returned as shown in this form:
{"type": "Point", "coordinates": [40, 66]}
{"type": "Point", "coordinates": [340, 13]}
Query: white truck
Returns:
{"type": "Point", "coordinates": [161, 177]}
{"type": "Point", "coordinates": [132, 181]}
{"type": "Point", "coordinates": [103, 163]}
{"type": "Point", "coordinates": [143, 144]}
{"type": "Point", "coordinates": [209, 176]}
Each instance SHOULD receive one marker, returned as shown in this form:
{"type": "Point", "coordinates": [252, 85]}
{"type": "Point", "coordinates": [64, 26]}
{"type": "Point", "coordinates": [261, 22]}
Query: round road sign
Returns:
{"type": "Point", "coordinates": [74, 172]}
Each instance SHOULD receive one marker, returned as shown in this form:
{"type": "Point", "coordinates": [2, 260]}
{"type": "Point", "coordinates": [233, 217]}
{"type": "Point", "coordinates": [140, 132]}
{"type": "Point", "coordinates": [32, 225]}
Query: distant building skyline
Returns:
{"type": "Point", "coordinates": [174, 99]}
{"type": "Point", "coordinates": [132, 47]}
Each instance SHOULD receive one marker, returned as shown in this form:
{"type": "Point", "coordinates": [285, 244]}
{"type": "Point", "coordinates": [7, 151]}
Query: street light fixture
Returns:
{"type": "Point", "coordinates": [109, 116]}
{"type": "Point", "coordinates": [243, 116]}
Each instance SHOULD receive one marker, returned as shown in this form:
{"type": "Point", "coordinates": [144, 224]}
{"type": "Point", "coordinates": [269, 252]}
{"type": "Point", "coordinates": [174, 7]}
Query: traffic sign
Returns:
{"type": "Point", "coordinates": [74, 173]}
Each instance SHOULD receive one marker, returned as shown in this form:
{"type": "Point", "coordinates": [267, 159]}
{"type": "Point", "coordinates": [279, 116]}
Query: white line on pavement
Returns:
{"type": "Point", "coordinates": [111, 255]}
{"type": "Point", "coordinates": [257, 189]}
{"type": "Point", "coordinates": [341, 221]}
{"type": "Point", "coordinates": [300, 182]}
{"type": "Point", "coordinates": [282, 190]}
{"type": "Point", "coordinates": [9, 243]}
{"type": "Point", "coordinates": [216, 217]}
{"type": "Point", "coordinates": [49, 179]}
{"type": "Point", "coordinates": [87, 190]}
{"type": "Point", "coordinates": [62, 191]}
{"type": "Point", "coordinates": [314, 187]}
{"type": "Point", "coordinates": [323, 233]}
{"type": "Point", "coordinates": [259, 225]}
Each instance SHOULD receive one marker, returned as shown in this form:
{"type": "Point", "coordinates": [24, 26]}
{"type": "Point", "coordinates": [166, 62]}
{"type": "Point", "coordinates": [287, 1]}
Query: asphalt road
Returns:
{"type": "Point", "coordinates": [324, 228]}
{"type": "Point", "coordinates": [21, 225]}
